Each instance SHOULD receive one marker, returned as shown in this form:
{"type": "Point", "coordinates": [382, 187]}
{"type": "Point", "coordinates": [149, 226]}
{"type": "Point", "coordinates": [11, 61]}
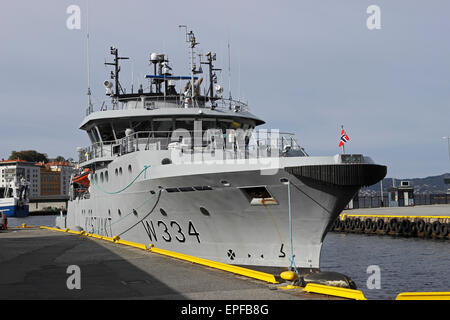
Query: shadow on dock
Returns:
{"type": "Point", "coordinates": [34, 264]}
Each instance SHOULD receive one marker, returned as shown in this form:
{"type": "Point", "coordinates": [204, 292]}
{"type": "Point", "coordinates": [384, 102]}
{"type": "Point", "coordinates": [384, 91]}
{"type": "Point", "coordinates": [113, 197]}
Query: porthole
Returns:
{"type": "Point", "coordinates": [109, 212]}
{"type": "Point", "coordinates": [106, 176]}
{"type": "Point", "coordinates": [204, 211]}
{"type": "Point", "coordinates": [120, 170]}
{"type": "Point", "coordinates": [166, 161]}
{"type": "Point", "coordinates": [116, 172]}
{"type": "Point", "coordinates": [129, 168]}
{"type": "Point", "coordinates": [101, 177]}
{"type": "Point", "coordinates": [163, 212]}
{"type": "Point", "coordinates": [135, 212]}
{"type": "Point", "coordinates": [284, 180]}
{"type": "Point", "coordinates": [118, 211]}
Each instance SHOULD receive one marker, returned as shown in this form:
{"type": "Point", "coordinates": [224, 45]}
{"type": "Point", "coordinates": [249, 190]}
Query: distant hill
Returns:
{"type": "Point", "coordinates": [433, 184]}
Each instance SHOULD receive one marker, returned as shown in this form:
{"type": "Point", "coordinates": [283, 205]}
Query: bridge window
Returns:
{"type": "Point", "coordinates": [106, 132]}
{"type": "Point", "coordinates": [163, 126]}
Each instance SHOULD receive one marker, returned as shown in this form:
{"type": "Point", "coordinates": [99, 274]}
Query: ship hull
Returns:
{"type": "Point", "coordinates": [11, 208]}
{"type": "Point", "coordinates": [221, 221]}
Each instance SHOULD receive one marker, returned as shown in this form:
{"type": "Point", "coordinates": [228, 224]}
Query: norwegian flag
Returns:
{"type": "Point", "coordinates": [344, 138]}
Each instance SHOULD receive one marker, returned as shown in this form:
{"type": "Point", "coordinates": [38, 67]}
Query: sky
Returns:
{"type": "Point", "coordinates": [305, 67]}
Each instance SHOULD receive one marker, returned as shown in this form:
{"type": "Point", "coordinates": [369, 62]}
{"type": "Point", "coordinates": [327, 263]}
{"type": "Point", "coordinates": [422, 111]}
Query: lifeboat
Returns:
{"type": "Point", "coordinates": [82, 178]}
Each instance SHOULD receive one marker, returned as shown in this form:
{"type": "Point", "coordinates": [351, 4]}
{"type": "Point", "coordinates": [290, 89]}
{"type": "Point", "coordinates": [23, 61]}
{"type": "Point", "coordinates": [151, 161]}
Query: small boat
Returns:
{"type": "Point", "coordinates": [14, 200]}
{"type": "Point", "coordinates": [82, 178]}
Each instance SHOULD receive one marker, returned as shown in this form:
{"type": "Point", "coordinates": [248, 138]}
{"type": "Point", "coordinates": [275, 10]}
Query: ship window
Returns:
{"type": "Point", "coordinates": [186, 189]}
{"type": "Point", "coordinates": [202, 188]}
{"type": "Point", "coordinates": [116, 172]}
{"type": "Point", "coordinates": [187, 124]}
{"type": "Point", "coordinates": [208, 124]}
{"type": "Point", "coordinates": [106, 176]}
{"type": "Point", "coordinates": [95, 135]}
{"type": "Point", "coordinates": [170, 190]}
{"type": "Point", "coordinates": [163, 127]}
{"type": "Point", "coordinates": [163, 212]}
{"type": "Point", "coordinates": [101, 177]}
{"type": "Point", "coordinates": [129, 168]}
{"type": "Point", "coordinates": [141, 126]}
{"type": "Point", "coordinates": [120, 170]}
{"type": "Point", "coordinates": [120, 127]}
{"type": "Point", "coordinates": [91, 136]}
{"type": "Point", "coordinates": [106, 132]}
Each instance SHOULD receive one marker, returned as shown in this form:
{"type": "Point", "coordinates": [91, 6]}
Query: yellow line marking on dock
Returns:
{"type": "Point", "coordinates": [344, 215]}
{"type": "Point", "coordinates": [335, 291]}
{"type": "Point", "coordinates": [213, 264]}
{"type": "Point", "coordinates": [423, 296]}
{"type": "Point", "coordinates": [218, 265]}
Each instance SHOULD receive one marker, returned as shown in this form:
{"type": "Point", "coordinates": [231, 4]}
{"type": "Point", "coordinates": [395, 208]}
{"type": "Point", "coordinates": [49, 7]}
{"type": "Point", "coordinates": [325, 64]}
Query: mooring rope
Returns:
{"type": "Point", "coordinates": [292, 258]}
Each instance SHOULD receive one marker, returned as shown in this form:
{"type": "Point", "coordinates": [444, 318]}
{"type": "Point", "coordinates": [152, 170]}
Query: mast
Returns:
{"type": "Point", "coordinates": [90, 108]}
{"type": "Point", "coordinates": [190, 38]}
{"type": "Point", "coordinates": [115, 52]}
{"type": "Point", "coordinates": [212, 76]}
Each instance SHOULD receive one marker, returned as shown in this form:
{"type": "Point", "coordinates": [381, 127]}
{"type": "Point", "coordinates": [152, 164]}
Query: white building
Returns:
{"type": "Point", "coordinates": [20, 168]}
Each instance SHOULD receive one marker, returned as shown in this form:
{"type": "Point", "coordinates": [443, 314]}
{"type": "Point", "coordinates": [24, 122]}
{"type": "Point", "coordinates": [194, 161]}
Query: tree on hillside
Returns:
{"type": "Point", "coordinates": [28, 155]}
{"type": "Point", "coordinates": [60, 159]}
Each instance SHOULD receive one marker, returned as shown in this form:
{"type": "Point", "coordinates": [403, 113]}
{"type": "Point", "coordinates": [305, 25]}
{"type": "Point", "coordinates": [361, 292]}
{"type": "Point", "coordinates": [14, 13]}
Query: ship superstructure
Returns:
{"type": "Point", "coordinates": [181, 167]}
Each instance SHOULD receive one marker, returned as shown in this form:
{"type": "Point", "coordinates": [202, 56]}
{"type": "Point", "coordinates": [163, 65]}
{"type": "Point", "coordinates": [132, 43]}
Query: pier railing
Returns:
{"type": "Point", "coordinates": [234, 144]}
{"type": "Point", "coordinates": [419, 199]}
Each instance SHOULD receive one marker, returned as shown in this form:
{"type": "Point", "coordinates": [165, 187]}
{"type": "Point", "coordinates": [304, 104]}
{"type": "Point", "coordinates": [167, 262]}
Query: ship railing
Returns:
{"type": "Point", "coordinates": [234, 144]}
{"type": "Point", "coordinates": [151, 103]}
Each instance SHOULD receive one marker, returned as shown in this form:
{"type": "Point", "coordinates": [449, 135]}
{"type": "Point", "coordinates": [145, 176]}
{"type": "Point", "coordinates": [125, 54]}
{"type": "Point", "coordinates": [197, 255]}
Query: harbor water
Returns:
{"type": "Point", "coordinates": [405, 264]}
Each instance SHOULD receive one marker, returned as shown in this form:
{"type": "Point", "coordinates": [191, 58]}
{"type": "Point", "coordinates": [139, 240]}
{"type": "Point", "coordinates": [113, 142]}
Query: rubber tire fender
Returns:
{"type": "Point", "coordinates": [420, 225]}
{"type": "Point", "coordinates": [436, 227]}
{"type": "Point", "coordinates": [380, 223]}
{"type": "Point", "coordinates": [444, 229]}
{"type": "Point", "coordinates": [428, 229]}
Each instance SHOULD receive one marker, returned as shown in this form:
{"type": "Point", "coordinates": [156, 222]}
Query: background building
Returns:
{"type": "Point", "coordinates": [20, 168]}
{"type": "Point", "coordinates": [49, 182]}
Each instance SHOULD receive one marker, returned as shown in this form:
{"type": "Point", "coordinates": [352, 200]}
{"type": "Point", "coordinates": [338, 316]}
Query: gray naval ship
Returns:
{"type": "Point", "coordinates": [179, 166]}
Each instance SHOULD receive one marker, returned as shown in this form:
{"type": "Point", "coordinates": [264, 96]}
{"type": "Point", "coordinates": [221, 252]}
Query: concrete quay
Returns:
{"type": "Point", "coordinates": [34, 264]}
